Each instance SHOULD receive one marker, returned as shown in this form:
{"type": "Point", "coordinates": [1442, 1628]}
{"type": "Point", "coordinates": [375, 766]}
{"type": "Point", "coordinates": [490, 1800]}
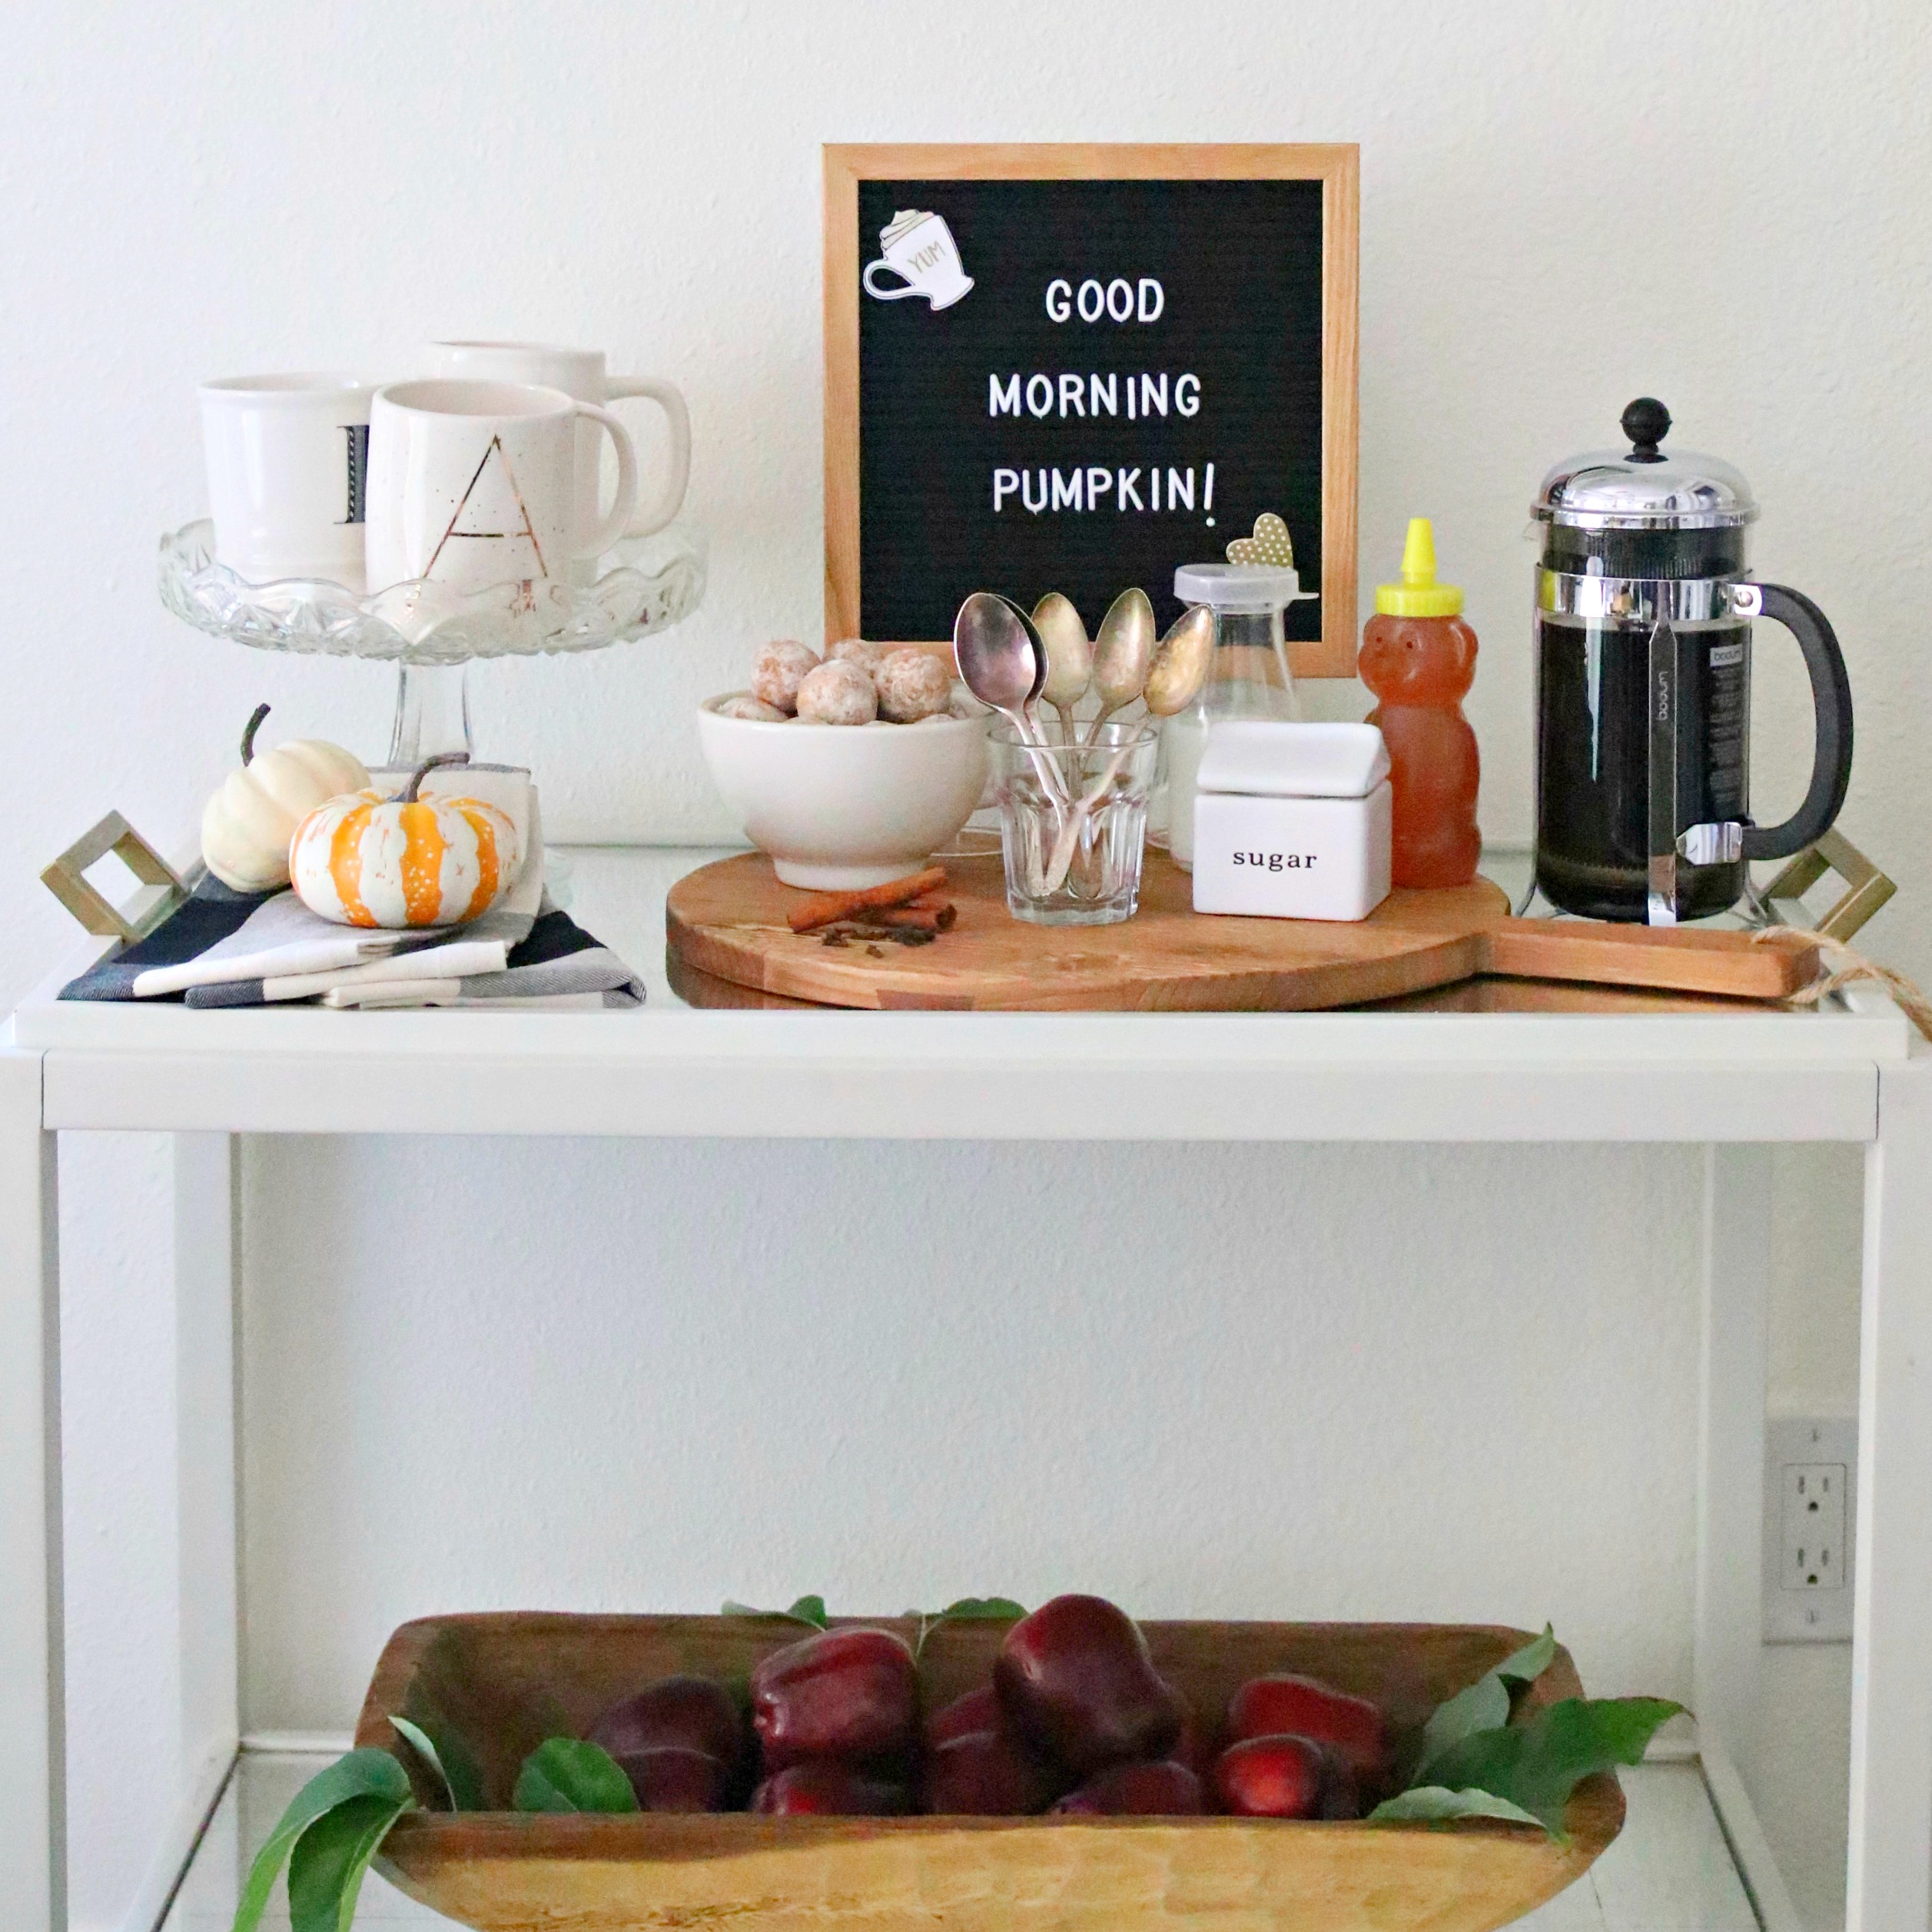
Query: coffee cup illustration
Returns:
{"type": "Point", "coordinates": [918, 246]}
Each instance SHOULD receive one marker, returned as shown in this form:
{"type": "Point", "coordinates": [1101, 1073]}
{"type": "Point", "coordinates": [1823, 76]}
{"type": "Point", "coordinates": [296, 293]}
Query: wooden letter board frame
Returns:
{"type": "Point", "coordinates": [1336, 166]}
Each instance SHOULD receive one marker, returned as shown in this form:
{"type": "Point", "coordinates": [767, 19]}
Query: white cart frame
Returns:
{"type": "Point", "coordinates": [1737, 1085]}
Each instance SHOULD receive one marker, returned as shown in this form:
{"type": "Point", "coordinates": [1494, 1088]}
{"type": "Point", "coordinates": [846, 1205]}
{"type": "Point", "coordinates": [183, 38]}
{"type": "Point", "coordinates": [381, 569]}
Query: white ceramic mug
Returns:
{"type": "Point", "coordinates": [917, 246]}
{"type": "Point", "coordinates": [473, 484]}
{"type": "Point", "coordinates": [580, 373]}
{"type": "Point", "coordinates": [287, 459]}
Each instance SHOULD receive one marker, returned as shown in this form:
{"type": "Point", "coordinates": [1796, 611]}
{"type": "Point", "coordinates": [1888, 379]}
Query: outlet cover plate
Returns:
{"type": "Point", "coordinates": [1811, 1485]}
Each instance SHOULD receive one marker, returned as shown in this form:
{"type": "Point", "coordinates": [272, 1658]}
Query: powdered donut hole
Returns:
{"type": "Point", "coordinates": [779, 670]}
{"type": "Point", "coordinates": [912, 684]}
{"type": "Point", "coordinates": [745, 705]}
{"type": "Point", "coordinates": [837, 694]}
{"type": "Point", "coordinates": [857, 650]}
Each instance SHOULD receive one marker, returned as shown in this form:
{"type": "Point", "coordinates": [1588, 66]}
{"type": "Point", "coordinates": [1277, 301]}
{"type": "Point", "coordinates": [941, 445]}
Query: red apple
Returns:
{"type": "Point", "coordinates": [852, 1695]}
{"type": "Point", "coordinates": [687, 1713]}
{"type": "Point", "coordinates": [668, 1778]}
{"type": "Point", "coordinates": [825, 1789]}
{"type": "Point", "coordinates": [1196, 1747]}
{"type": "Point", "coordinates": [986, 1774]}
{"type": "Point", "coordinates": [1165, 1790]}
{"type": "Point", "coordinates": [1272, 1778]}
{"type": "Point", "coordinates": [1301, 1707]}
{"type": "Point", "coordinates": [1075, 1679]}
{"type": "Point", "coordinates": [977, 1710]}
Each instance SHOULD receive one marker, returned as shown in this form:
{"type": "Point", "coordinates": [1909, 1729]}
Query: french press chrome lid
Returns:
{"type": "Point", "coordinates": [1642, 488]}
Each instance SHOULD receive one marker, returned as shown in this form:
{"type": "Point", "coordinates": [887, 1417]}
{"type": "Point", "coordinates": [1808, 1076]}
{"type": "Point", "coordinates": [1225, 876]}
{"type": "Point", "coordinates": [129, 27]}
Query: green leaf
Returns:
{"type": "Point", "coordinates": [967, 1610]}
{"type": "Point", "coordinates": [567, 1774]}
{"type": "Point", "coordinates": [1525, 1665]}
{"type": "Point", "coordinates": [449, 1756]}
{"type": "Point", "coordinates": [368, 1773]}
{"type": "Point", "coordinates": [809, 1611]}
{"type": "Point", "coordinates": [989, 1609]}
{"type": "Point", "coordinates": [1484, 1705]}
{"type": "Point", "coordinates": [447, 1752]}
{"type": "Point", "coordinates": [1537, 1765]}
{"type": "Point", "coordinates": [1433, 1804]}
{"type": "Point", "coordinates": [418, 1742]}
{"type": "Point", "coordinates": [330, 1860]}
{"type": "Point", "coordinates": [1568, 1741]}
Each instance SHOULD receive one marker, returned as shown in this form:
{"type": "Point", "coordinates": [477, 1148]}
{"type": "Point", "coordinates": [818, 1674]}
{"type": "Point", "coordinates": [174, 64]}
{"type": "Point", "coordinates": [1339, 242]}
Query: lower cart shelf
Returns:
{"type": "Point", "coordinates": [1669, 1871]}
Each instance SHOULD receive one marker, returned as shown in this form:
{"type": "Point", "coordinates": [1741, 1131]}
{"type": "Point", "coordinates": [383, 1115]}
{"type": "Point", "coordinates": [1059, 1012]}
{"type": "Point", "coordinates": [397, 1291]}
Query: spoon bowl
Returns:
{"type": "Point", "coordinates": [1070, 657]}
{"type": "Point", "coordinates": [1179, 665]}
{"type": "Point", "coordinates": [1004, 663]}
{"type": "Point", "coordinates": [1000, 653]}
{"type": "Point", "coordinates": [1123, 650]}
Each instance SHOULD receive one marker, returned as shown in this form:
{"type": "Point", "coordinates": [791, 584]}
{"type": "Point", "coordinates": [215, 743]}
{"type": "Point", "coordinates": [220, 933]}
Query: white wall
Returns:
{"type": "Point", "coordinates": [1561, 208]}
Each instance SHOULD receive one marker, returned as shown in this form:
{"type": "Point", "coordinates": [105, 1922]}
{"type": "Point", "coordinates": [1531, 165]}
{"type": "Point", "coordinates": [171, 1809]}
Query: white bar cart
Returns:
{"type": "Point", "coordinates": [1736, 1084]}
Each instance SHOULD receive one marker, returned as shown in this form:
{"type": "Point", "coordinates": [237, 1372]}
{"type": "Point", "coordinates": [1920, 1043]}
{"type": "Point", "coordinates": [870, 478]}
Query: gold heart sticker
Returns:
{"type": "Point", "coordinates": [1270, 544]}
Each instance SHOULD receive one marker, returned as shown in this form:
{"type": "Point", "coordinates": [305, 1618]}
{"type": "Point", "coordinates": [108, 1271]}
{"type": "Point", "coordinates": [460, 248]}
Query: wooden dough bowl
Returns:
{"type": "Point", "coordinates": [727, 921]}
{"type": "Point", "coordinates": [507, 1681]}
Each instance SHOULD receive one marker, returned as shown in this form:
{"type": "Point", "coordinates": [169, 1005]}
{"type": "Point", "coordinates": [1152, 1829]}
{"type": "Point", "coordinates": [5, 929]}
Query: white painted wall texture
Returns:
{"type": "Point", "coordinates": [1425, 1382]}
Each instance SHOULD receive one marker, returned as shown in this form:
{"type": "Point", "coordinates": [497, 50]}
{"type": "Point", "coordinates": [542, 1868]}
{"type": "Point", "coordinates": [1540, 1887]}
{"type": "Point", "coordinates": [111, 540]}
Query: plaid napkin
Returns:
{"type": "Point", "coordinates": [555, 964]}
{"type": "Point", "coordinates": [228, 948]}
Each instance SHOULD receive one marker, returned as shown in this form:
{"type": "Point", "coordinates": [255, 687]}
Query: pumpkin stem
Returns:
{"type": "Point", "coordinates": [249, 730]}
{"type": "Point", "coordinates": [428, 766]}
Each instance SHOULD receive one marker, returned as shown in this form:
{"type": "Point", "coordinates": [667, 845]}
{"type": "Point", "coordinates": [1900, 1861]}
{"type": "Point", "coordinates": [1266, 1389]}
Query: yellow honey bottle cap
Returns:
{"type": "Point", "coordinates": [1418, 595]}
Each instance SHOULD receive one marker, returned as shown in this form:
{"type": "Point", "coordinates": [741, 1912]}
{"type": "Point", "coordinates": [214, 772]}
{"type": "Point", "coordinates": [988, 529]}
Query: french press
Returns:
{"type": "Point", "coordinates": [1643, 696]}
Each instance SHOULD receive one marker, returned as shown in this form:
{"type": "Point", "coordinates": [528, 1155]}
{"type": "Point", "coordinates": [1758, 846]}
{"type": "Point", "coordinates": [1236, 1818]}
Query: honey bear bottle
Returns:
{"type": "Point", "coordinates": [1418, 658]}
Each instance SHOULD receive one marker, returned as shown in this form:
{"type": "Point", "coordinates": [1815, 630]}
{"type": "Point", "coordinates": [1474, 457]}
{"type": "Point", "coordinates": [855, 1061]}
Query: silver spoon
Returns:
{"type": "Point", "coordinates": [1175, 675]}
{"type": "Point", "coordinates": [1005, 664]}
{"type": "Point", "coordinates": [1070, 657]}
{"type": "Point", "coordinates": [1122, 650]}
{"type": "Point", "coordinates": [1000, 653]}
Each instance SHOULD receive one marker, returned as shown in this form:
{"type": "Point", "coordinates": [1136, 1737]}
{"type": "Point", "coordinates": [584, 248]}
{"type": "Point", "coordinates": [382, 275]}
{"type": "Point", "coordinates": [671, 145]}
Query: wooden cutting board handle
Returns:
{"type": "Point", "coordinates": [1738, 965]}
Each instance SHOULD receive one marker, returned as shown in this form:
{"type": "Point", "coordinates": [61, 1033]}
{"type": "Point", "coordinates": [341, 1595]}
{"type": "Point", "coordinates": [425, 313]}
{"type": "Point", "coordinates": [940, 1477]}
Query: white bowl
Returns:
{"type": "Point", "coordinates": [840, 807]}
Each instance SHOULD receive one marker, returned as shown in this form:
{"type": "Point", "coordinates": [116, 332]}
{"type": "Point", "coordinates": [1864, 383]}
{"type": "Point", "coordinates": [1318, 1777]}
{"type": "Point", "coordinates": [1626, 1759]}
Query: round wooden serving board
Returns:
{"type": "Point", "coordinates": [728, 920]}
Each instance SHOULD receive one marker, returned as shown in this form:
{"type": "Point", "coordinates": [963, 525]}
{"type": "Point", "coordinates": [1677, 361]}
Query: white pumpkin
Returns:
{"type": "Point", "coordinates": [247, 826]}
{"type": "Point", "coordinates": [367, 860]}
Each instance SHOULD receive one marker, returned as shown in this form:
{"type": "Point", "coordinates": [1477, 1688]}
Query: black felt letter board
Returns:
{"type": "Point", "coordinates": [1002, 449]}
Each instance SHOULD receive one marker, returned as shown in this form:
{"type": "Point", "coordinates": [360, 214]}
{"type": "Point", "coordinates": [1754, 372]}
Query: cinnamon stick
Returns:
{"type": "Point", "coordinates": [826, 907]}
{"type": "Point", "coordinates": [926, 919]}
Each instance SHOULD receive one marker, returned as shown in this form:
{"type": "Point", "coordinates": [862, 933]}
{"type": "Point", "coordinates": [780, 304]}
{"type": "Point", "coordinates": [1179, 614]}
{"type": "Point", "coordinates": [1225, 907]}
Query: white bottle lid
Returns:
{"type": "Point", "coordinates": [1268, 757]}
{"type": "Point", "coordinates": [1240, 586]}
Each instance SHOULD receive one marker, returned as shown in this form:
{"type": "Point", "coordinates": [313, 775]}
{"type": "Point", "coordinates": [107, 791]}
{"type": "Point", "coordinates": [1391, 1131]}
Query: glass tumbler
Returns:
{"type": "Point", "coordinates": [1074, 820]}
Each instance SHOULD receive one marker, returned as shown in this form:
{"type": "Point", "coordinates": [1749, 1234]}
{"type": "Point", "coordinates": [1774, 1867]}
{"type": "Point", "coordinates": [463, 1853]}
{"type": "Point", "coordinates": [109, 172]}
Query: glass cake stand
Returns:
{"type": "Point", "coordinates": [642, 585]}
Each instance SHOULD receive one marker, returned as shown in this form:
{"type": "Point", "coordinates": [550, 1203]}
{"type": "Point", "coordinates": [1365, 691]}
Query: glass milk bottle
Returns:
{"type": "Point", "coordinates": [1248, 678]}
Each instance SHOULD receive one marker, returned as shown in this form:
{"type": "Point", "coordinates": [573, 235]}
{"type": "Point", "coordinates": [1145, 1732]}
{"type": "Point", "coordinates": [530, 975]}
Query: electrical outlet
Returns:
{"type": "Point", "coordinates": [1811, 1474]}
{"type": "Point", "coordinates": [1814, 1555]}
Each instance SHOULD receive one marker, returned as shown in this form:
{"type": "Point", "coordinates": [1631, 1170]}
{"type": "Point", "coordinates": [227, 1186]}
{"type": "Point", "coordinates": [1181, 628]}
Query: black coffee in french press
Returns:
{"type": "Point", "coordinates": [1644, 611]}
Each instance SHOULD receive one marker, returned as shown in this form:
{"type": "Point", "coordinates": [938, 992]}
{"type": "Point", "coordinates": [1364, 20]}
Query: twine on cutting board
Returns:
{"type": "Point", "coordinates": [1846, 966]}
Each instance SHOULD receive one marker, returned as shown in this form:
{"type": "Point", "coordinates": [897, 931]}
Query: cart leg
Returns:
{"type": "Point", "coordinates": [33, 1849]}
{"type": "Point", "coordinates": [1889, 1871]}
{"type": "Point", "coordinates": [1734, 1356]}
{"type": "Point", "coordinates": [204, 1318]}
{"type": "Point", "coordinates": [207, 1619]}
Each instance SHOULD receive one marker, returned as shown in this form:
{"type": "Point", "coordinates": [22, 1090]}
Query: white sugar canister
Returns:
{"type": "Point", "coordinates": [1291, 820]}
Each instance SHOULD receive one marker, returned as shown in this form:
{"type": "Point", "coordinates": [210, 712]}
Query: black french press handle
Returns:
{"type": "Point", "coordinates": [1831, 702]}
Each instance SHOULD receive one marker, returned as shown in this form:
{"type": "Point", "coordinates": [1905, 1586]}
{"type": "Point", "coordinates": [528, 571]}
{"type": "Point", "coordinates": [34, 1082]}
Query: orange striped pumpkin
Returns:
{"type": "Point", "coordinates": [363, 860]}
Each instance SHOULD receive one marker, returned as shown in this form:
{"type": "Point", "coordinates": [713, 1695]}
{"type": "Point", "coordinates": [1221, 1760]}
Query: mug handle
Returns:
{"type": "Point", "coordinates": [1831, 699]}
{"type": "Point", "coordinates": [614, 525]}
{"type": "Point", "coordinates": [908, 287]}
{"type": "Point", "coordinates": [670, 399]}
